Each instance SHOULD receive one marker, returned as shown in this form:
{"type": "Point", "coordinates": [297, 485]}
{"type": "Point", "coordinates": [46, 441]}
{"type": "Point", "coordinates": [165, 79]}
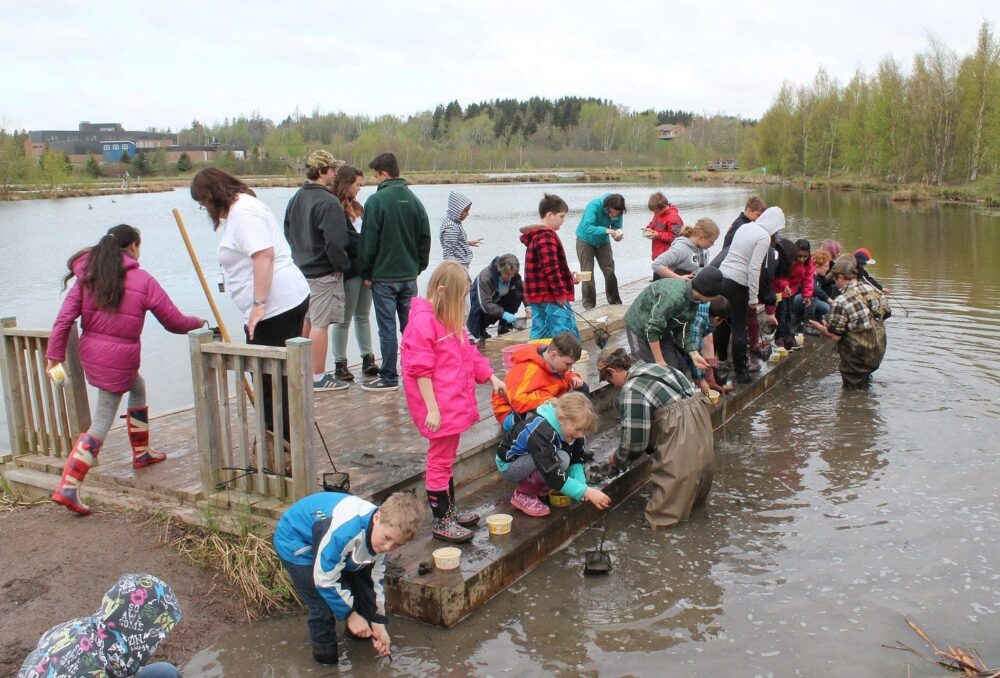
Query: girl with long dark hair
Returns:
{"type": "Point", "coordinates": [112, 295]}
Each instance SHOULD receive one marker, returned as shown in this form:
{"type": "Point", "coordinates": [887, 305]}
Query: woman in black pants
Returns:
{"type": "Point", "coordinates": [257, 267]}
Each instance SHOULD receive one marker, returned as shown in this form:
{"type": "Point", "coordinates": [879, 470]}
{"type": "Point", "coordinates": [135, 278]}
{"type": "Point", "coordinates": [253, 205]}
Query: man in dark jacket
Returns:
{"type": "Point", "coordinates": [496, 295]}
{"type": "Point", "coordinates": [395, 248]}
{"type": "Point", "coordinates": [316, 230]}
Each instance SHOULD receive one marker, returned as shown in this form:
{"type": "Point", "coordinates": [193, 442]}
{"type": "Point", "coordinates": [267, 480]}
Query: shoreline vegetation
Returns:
{"type": "Point", "coordinates": [981, 193]}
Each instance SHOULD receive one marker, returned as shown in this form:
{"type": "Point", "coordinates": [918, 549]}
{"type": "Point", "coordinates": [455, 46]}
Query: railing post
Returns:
{"type": "Point", "coordinates": [206, 411]}
{"type": "Point", "coordinates": [12, 389]}
{"type": "Point", "coordinates": [302, 416]}
{"type": "Point", "coordinates": [77, 401]}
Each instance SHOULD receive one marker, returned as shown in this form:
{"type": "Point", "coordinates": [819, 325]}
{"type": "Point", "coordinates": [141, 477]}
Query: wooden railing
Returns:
{"type": "Point", "coordinates": [42, 418]}
{"type": "Point", "coordinates": [235, 450]}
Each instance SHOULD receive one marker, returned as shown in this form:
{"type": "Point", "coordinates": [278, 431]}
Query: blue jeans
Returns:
{"type": "Point", "coordinates": [391, 301]}
{"type": "Point", "coordinates": [820, 308]}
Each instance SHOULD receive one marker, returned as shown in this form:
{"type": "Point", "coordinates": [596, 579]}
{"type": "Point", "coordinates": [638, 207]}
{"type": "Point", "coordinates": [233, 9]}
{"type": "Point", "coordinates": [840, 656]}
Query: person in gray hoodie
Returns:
{"type": "Point", "coordinates": [741, 273]}
{"type": "Point", "coordinates": [455, 243]}
{"type": "Point", "coordinates": [688, 253]}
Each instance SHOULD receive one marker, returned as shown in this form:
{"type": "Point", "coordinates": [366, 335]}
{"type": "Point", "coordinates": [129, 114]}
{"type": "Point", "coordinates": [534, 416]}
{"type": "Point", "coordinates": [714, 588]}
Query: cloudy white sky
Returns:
{"type": "Point", "coordinates": [165, 63]}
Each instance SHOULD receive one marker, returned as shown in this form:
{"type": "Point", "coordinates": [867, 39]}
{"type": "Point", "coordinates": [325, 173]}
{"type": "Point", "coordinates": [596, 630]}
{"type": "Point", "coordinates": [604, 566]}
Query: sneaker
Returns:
{"type": "Point", "coordinates": [380, 385]}
{"type": "Point", "coordinates": [368, 365]}
{"type": "Point", "coordinates": [529, 505]}
{"type": "Point", "coordinates": [329, 383]}
{"type": "Point", "coordinates": [446, 529]}
{"type": "Point", "coordinates": [791, 344]}
{"type": "Point", "coordinates": [754, 364]}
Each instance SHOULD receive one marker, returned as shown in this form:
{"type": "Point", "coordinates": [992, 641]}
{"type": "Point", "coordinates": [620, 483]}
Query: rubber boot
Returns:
{"type": "Point", "coordinates": [80, 460]}
{"type": "Point", "coordinates": [463, 518]}
{"type": "Point", "coordinates": [712, 383]}
{"type": "Point", "coordinates": [326, 655]}
{"type": "Point", "coordinates": [138, 438]}
{"type": "Point", "coordinates": [341, 372]}
{"type": "Point", "coordinates": [368, 365]}
{"type": "Point", "coordinates": [443, 525]}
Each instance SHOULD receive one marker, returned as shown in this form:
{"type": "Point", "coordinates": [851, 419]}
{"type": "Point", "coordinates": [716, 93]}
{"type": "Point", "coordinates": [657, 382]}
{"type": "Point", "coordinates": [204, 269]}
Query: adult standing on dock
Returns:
{"type": "Point", "coordinates": [601, 221]}
{"type": "Point", "coordinates": [741, 271]}
{"type": "Point", "coordinates": [661, 413]}
{"type": "Point", "coordinates": [316, 229]}
{"type": "Point", "coordinates": [395, 248]}
{"type": "Point", "coordinates": [257, 268]}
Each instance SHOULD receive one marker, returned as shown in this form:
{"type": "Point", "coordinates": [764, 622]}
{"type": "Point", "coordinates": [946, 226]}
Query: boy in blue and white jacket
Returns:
{"type": "Point", "coordinates": [333, 546]}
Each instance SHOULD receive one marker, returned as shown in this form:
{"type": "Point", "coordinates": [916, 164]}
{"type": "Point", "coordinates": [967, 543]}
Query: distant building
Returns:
{"type": "Point", "coordinates": [668, 132]}
{"type": "Point", "coordinates": [108, 140]}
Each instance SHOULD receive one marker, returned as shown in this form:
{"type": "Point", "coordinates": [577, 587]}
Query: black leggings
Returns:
{"type": "Point", "coordinates": [275, 331]}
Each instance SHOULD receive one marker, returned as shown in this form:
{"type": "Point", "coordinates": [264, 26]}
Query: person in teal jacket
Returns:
{"type": "Point", "coordinates": [601, 221]}
{"type": "Point", "coordinates": [658, 323]}
{"type": "Point", "coordinates": [395, 247]}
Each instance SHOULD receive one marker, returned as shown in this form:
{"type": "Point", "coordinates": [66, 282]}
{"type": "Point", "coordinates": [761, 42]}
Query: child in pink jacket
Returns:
{"type": "Point", "coordinates": [112, 294]}
{"type": "Point", "coordinates": [440, 371]}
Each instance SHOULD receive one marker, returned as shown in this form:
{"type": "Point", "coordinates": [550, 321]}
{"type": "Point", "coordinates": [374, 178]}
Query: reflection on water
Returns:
{"type": "Point", "coordinates": [834, 514]}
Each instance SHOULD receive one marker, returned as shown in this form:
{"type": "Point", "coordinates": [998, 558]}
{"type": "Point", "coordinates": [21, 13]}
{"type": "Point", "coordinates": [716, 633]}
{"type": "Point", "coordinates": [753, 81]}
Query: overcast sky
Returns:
{"type": "Point", "coordinates": [163, 64]}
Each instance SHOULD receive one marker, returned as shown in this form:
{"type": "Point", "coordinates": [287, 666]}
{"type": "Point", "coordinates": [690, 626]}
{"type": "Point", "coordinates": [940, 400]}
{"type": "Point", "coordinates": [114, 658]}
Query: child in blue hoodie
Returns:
{"type": "Point", "coordinates": [333, 547]}
{"type": "Point", "coordinates": [455, 243]}
{"type": "Point", "coordinates": [545, 449]}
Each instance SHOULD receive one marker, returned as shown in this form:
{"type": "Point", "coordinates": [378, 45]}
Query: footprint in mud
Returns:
{"type": "Point", "coordinates": [19, 591]}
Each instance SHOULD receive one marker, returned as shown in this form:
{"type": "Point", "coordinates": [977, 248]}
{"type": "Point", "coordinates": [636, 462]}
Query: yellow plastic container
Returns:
{"type": "Point", "coordinates": [713, 396]}
{"type": "Point", "coordinates": [558, 500]}
{"type": "Point", "coordinates": [499, 523]}
{"type": "Point", "coordinates": [447, 558]}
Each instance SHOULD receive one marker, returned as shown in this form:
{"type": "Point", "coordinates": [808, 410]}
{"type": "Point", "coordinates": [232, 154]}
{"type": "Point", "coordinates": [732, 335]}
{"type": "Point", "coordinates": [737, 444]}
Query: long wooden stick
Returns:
{"type": "Point", "coordinates": [208, 293]}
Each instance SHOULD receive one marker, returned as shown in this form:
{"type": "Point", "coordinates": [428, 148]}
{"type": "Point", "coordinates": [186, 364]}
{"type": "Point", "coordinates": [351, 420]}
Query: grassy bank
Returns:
{"type": "Point", "coordinates": [983, 192]}
{"type": "Point", "coordinates": [160, 184]}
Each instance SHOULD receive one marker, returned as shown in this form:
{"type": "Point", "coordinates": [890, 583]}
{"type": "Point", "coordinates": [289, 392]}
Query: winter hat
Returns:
{"type": "Point", "coordinates": [708, 282]}
{"type": "Point", "coordinates": [457, 203]}
{"type": "Point", "coordinates": [863, 256]}
{"type": "Point", "coordinates": [320, 159]}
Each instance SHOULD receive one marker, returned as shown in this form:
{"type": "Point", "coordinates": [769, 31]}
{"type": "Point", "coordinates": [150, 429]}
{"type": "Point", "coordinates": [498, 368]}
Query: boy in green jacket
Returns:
{"type": "Point", "coordinates": [395, 247]}
{"type": "Point", "coordinates": [659, 320]}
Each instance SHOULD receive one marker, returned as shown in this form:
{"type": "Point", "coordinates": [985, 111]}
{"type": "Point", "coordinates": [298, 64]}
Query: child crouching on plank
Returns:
{"type": "Point", "coordinates": [333, 546]}
{"type": "Point", "coordinates": [440, 372]}
{"type": "Point", "coordinates": [544, 450]}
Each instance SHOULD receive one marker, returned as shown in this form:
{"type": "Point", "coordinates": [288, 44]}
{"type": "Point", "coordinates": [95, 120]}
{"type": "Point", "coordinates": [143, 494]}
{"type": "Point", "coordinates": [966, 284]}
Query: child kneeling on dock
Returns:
{"type": "Point", "coordinates": [662, 415]}
{"type": "Point", "coordinates": [545, 449]}
{"type": "Point", "coordinates": [333, 547]}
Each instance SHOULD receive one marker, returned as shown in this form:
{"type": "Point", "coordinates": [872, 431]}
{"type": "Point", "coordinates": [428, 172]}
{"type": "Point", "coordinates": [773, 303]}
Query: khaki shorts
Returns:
{"type": "Point", "coordinates": [326, 300]}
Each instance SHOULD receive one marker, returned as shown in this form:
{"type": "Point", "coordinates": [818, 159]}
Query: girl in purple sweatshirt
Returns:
{"type": "Point", "coordinates": [112, 295]}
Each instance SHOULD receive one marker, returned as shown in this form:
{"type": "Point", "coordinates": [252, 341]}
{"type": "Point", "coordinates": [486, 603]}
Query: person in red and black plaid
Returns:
{"type": "Point", "coordinates": [548, 282]}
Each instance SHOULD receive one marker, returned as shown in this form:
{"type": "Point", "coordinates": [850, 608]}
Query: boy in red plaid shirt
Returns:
{"type": "Point", "coordinates": [548, 282]}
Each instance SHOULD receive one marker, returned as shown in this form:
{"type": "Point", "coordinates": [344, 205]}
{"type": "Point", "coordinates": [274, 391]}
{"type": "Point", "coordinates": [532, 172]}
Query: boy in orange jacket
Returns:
{"type": "Point", "coordinates": [539, 374]}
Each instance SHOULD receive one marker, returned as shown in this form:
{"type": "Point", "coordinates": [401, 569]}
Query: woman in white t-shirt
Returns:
{"type": "Point", "coordinates": [257, 267]}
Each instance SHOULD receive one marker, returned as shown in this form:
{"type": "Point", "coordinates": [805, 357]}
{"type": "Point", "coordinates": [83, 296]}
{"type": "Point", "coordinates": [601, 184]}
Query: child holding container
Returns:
{"type": "Point", "coordinates": [689, 252]}
{"type": "Point", "coordinates": [440, 371]}
{"type": "Point", "coordinates": [545, 450]}
{"type": "Point", "coordinates": [665, 225]}
{"type": "Point", "coordinates": [548, 282]}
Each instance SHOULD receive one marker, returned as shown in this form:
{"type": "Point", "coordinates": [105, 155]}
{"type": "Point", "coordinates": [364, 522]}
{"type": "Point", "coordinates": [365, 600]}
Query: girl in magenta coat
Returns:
{"type": "Point", "coordinates": [441, 368]}
{"type": "Point", "coordinates": [112, 295]}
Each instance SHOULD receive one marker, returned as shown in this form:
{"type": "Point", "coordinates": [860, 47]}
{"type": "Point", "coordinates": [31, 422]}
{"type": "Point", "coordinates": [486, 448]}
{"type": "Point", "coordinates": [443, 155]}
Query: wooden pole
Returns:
{"type": "Point", "coordinates": [208, 293]}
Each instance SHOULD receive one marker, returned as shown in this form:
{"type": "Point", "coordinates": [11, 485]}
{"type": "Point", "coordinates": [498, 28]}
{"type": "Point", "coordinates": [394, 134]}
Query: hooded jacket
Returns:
{"type": "Point", "coordinates": [749, 248]}
{"type": "Point", "coordinates": [109, 342]}
{"type": "Point", "coordinates": [593, 226]}
{"type": "Point", "coordinates": [454, 240]}
{"type": "Point", "coordinates": [665, 307]}
{"type": "Point", "coordinates": [667, 226]}
{"type": "Point", "coordinates": [530, 382]}
{"type": "Point", "coordinates": [547, 278]}
{"type": "Point", "coordinates": [539, 434]}
{"type": "Point", "coordinates": [454, 365]}
{"type": "Point", "coordinates": [136, 615]}
{"type": "Point", "coordinates": [683, 257]}
{"type": "Point", "coordinates": [316, 230]}
{"type": "Point", "coordinates": [395, 234]}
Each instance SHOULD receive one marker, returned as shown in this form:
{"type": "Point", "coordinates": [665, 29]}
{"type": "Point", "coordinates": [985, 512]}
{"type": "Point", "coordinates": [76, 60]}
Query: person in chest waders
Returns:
{"type": "Point", "coordinates": [662, 415]}
{"type": "Point", "coordinates": [856, 323]}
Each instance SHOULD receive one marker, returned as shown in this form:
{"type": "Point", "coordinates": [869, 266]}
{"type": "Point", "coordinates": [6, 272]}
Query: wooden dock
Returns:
{"type": "Point", "coordinates": [372, 438]}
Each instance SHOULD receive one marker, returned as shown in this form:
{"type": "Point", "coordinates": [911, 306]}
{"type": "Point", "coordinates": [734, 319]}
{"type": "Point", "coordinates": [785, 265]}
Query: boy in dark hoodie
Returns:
{"type": "Point", "coordinates": [548, 282]}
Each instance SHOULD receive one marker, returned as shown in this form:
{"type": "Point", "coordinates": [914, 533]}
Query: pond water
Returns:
{"type": "Point", "coordinates": [834, 514]}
